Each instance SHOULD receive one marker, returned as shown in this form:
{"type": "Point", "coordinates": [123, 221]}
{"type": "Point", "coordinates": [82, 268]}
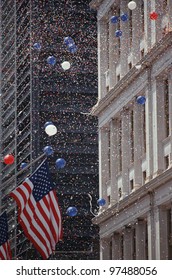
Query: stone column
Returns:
{"type": "Point", "coordinates": [152, 23]}
{"type": "Point", "coordinates": [136, 24]}
{"type": "Point", "coordinates": [158, 22]}
{"type": "Point", "coordinates": [113, 54]}
{"type": "Point", "coordinates": [114, 160]}
{"type": "Point", "coordinates": [170, 13]}
{"type": "Point", "coordinates": [170, 111]}
{"type": "Point", "coordinates": [102, 57]}
{"type": "Point", "coordinates": [105, 250]}
{"type": "Point", "coordinates": [147, 11]}
{"type": "Point", "coordinates": [103, 162]}
{"type": "Point", "coordinates": [141, 240]}
{"type": "Point", "coordinates": [149, 130]}
{"type": "Point", "coordinates": [124, 26]}
{"type": "Point", "coordinates": [151, 229]}
{"type": "Point", "coordinates": [138, 135]}
{"type": "Point", "coordinates": [125, 152]}
{"type": "Point", "coordinates": [161, 230]}
{"type": "Point", "coordinates": [158, 125]}
{"type": "Point", "coordinates": [128, 243]}
{"type": "Point", "coordinates": [116, 247]}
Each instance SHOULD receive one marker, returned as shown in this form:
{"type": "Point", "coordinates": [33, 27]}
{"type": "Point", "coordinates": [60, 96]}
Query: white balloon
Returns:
{"type": "Point", "coordinates": [51, 129]}
{"type": "Point", "coordinates": [132, 5]}
{"type": "Point", "coordinates": [65, 65]}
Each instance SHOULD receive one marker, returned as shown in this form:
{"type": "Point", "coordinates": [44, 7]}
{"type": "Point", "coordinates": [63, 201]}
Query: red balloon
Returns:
{"type": "Point", "coordinates": [153, 15]}
{"type": "Point", "coordinates": [9, 159]}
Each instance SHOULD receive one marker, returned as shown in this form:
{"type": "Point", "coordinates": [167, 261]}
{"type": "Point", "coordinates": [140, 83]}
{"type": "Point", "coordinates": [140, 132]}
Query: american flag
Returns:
{"type": "Point", "coordinates": [38, 210]}
{"type": "Point", "coordinates": [5, 252]}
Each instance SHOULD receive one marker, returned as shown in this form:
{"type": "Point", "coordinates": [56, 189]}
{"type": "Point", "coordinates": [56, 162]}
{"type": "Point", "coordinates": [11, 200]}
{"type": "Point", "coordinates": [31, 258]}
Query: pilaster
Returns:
{"type": "Point", "coordinates": [125, 152]}
{"type": "Point", "coordinates": [102, 57]}
{"type": "Point", "coordinates": [114, 160]}
{"type": "Point", "coordinates": [128, 243]}
{"type": "Point", "coordinates": [158, 125]}
{"type": "Point", "coordinates": [161, 240]}
{"type": "Point", "coordinates": [116, 247]}
{"type": "Point", "coordinates": [105, 249]}
{"type": "Point", "coordinates": [103, 162]}
{"type": "Point", "coordinates": [141, 240]}
{"type": "Point", "coordinates": [138, 133]}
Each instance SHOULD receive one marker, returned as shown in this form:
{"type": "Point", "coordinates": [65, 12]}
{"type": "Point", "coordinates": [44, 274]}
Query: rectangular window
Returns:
{"type": "Point", "coordinates": [166, 103]}
{"type": "Point", "coordinates": [142, 53]}
{"type": "Point", "coordinates": [143, 177]}
{"type": "Point", "coordinates": [166, 162]}
{"type": "Point", "coordinates": [131, 184]}
{"type": "Point", "coordinates": [119, 192]}
{"type": "Point", "coordinates": [108, 199]}
{"type": "Point", "coordinates": [130, 65]}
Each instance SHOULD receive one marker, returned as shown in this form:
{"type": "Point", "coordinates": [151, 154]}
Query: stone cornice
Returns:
{"type": "Point", "coordinates": [133, 197]}
{"type": "Point", "coordinates": [145, 63]}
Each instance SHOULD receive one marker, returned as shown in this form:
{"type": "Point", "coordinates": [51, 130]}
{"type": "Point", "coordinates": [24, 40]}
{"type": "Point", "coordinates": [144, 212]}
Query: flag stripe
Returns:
{"type": "Point", "coordinates": [39, 213]}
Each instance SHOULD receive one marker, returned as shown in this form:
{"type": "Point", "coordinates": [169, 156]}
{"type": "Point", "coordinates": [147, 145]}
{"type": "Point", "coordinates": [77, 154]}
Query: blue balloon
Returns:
{"type": "Point", "coordinates": [37, 46]}
{"type": "Point", "coordinates": [60, 163]}
{"type": "Point", "coordinates": [101, 201]}
{"type": "Point", "coordinates": [23, 165]}
{"type": "Point", "coordinates": [51, 60]}
{"type": "Point", "coordinates": [72, 211]}
{"type": "Point", "coordinates": [114, 19]}
{"type": "Point", "coordinates": [124, 17]}
{"type": "Point", "coordinates": [47, 123]}
{"type": "Point", "coordinates": [48, 150]}
{"type": "Point", "coordinates": [141, 100]}
{"type": "Point", "coordinates": [72, 48]}
{"type": "Point", "coordinates": [118, 33]}
{"type": "Point", "coordinates": [68, 40]}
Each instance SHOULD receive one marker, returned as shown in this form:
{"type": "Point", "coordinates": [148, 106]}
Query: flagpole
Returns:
{"type": "Point", "coordinates": [24, 169]}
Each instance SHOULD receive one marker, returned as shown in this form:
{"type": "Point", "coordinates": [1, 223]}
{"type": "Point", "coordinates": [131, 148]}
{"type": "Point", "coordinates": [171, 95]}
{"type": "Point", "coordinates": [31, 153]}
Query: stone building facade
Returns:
{"type": "Point", "coordinates": [135, 140]}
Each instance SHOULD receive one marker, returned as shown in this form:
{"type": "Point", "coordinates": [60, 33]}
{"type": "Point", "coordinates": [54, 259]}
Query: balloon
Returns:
{"type": "Point", "coordinates": [48, 150]}
{"type": "Point", "coordinates": [9, 159]}
{"type": "Point", "coordinates": [124, 17]}
{"type": "Point", "coordinates": [72, 48]}
{"type": "Point", "coordinates": [50, 128]}
{"type": "Point", "coordinates": [23, 165]}
{"type": "Point", "coordinates": [114, 19]}
{"type": "Point", "coordinates": [51, 60]}
{"type": "Point", "coordinates": [101, 201]}
{"type": "Point", "coordinates": [37, 46]}
{"type": "Point", "coordinates": [72, 211]}
{"type": "Point", "coordinates": [60, 163]}
{"type": "Point", "coordinates": [118, 33]}
{"type": "Point", "coordinates": [153, 16]}
{"type": "Point", "coordinates": [68, 40]}
{"type": "Point", "coordinates": [141, 100]}
{"type": "Point", "coordinates": [132, 5]}
{"type": "Point", "coordinates": [65, 65]}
